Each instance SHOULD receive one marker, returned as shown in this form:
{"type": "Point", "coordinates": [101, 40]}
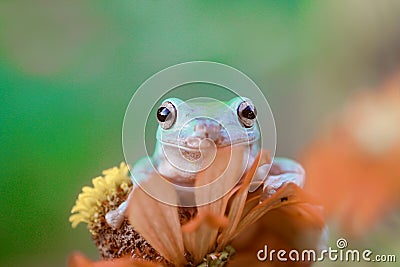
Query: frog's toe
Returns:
{"type": "Point", "coordinates": [271, 189]}
{"type": "Point", "coordinates": [114, 218]}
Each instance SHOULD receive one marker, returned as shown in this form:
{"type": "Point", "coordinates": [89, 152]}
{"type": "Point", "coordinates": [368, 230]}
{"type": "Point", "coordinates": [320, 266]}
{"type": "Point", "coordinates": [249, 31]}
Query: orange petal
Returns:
{"type": "Point", "coordinates": [292, 224]}
{"type": "Point", "coordinates": [210, 219]}
{"type": "Point", "coordinates": [77, 259]}
{"type": "Point", "coordinates": [289, 194]}
{"type": "Point", "coordinates": [157, 222]}
{"type": "Point", "coordinates": [237, 205]}
{"type": "Point", "coordinates": [227, 167]}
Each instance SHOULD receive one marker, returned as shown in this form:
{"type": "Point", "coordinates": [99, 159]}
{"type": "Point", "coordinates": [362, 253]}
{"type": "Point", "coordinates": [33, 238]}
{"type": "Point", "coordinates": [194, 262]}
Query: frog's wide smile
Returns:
{"type": "Point", "coordinates": [193, 143]}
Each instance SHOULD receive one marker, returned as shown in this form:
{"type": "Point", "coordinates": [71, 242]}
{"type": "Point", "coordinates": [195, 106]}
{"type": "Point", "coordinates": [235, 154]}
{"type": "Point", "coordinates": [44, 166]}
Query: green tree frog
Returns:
{"type": "Point", "coordinates": [189, 134]}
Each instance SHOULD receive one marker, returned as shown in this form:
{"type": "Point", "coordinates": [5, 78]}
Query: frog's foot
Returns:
{"type": "Point", "coordinates": [275, 182]}
{"type": "Point", "coordinates": [282, 171]}
{"type": "Point", "coordinates": [116, 217]}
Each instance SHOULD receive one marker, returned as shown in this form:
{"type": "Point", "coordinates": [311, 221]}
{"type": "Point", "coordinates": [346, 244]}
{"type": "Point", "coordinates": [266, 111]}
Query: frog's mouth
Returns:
{"type": "Point", "coordinates": [200, 149]}
{"type": "Point", "coordinates": [192, 144]}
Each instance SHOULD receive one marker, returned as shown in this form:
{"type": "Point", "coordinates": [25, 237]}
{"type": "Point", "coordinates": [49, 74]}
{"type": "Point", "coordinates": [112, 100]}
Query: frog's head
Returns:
{"type": "Point", "coordinates": [185, 124]}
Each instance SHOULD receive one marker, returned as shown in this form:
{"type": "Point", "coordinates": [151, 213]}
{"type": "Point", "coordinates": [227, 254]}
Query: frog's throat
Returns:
{"type": "Point", "coordinates": [185, 147]}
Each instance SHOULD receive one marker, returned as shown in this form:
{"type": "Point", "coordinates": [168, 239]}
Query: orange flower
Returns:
{"type": "Point", "coordinates": [201, 235]}
{"type": "Point", "coordinates": [289, 216]}
{"type": "Point", "coordinates": [353, 166]}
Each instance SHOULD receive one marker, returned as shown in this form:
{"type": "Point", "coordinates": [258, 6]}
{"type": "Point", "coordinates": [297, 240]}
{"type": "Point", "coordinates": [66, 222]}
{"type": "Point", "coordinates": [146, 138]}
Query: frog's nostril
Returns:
{"type": "Point", "coordinates": [202, 128]}
{"type": "Point", "coordinates": [193, 142]}
{"type": "Point", "coordinates": [206, 128]}
{"type": "Point", "coordinates": [208, 125]}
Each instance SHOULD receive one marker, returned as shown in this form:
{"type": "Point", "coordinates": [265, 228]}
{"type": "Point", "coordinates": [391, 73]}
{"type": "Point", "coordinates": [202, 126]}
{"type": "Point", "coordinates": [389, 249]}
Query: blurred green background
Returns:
{"type": "Point", "coordinates": [69, 68]}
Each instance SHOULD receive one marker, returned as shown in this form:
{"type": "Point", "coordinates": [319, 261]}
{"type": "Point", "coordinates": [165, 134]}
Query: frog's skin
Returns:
{"type": "Point", "coordinates": [198, 129]}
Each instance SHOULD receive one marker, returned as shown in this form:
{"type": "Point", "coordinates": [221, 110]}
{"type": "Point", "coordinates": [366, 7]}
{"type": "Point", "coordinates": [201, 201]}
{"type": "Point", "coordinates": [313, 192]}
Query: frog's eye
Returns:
{"type": "Point", "coordinates": [247, 114]}
{"type": "Point", "coordinates": [166, 115]}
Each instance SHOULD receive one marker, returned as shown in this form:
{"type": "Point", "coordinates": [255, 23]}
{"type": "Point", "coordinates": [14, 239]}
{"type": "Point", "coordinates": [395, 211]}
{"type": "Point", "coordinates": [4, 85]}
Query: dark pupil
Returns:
{"type": "Point", "coordinates": [162, 114]}
{"type": "Point", "coordinates": [248, 113]}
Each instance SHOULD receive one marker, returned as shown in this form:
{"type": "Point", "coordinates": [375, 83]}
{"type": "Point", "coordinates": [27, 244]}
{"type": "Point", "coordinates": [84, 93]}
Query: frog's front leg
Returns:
{"type": "Point", "coordinates": [141, 169]}
{"type": "Point", "coordinates": [282, 171]}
